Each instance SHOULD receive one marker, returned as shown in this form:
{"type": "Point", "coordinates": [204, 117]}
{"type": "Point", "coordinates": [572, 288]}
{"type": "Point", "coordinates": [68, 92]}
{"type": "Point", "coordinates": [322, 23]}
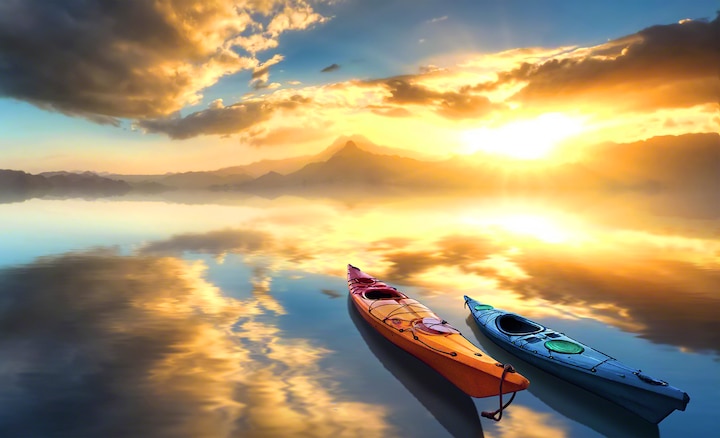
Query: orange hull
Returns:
{"type": "Point", "coordinates": [417, 330]}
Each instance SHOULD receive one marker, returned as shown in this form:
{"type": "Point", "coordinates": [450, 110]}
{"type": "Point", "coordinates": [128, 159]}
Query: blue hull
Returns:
{"type": "Point", "coordinates": [577, 363]}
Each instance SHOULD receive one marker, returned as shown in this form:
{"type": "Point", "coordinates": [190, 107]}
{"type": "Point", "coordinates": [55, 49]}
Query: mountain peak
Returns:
{"type": "Point", "coordinates": [350, 150]}
{"type": "Point", "coordinates": [350, 145]}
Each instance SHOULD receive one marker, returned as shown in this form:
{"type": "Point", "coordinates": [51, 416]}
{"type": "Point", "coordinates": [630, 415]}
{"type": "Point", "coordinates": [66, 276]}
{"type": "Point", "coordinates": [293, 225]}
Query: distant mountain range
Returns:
{"type": "Point", "coordinates": [686, 162]}
{"type": "Point", "coordinates": [16, 185]}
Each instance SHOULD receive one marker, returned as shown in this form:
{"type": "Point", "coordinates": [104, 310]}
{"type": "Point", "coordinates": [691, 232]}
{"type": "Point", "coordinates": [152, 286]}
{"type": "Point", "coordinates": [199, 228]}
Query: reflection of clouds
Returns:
{"type": "Point", "coordinates": [640, 281]}
{"type": "Point", "coordinates": [315, 412]}
{"type": "Point", "coordinates": [104, 345]}
{"type": "Point", "coordinates": [523, 422]}
{"type": "Point", "coordinates": [261, 281]}
{"type": "Point", "coordinates": [221, 242]}
{"type": "Point", "coordinates": [118, 342]}
{"type": "Point", "coordinates": [461, 251]}
{"type": "Point", "coordinates": [662, 295]}
{"type": "Point", "coordinates": [213, 242]}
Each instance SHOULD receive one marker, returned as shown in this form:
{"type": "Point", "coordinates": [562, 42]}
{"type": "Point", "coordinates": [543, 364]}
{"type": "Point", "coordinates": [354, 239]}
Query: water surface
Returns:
{"type": "Point", "coordinates": [182, 317]}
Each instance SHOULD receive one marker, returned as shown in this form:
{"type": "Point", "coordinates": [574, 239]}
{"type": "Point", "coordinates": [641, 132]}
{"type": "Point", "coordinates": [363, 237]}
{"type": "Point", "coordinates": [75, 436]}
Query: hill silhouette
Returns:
{"type": "Point", "coordinates": [17, 185]}
{"type": "Point", "coordinates": [685, 163]}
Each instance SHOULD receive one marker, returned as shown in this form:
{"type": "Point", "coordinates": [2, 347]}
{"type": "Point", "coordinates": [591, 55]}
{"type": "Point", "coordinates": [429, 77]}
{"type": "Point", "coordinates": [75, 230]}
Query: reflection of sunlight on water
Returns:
{"type": "Point", "coordinates": [504, 267]}
{"type": "Point", "coordinates": [524, 254]}
{"type": "Point", "coordinates": [702, 252]}
{"type": "Point", "coordinates": [547, 229]}
{"type": "Point", "coordinates": [536, 226]}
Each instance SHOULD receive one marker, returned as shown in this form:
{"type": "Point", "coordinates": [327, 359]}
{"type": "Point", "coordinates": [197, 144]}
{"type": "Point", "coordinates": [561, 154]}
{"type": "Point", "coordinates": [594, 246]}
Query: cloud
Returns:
{"type": "Point", "coordinates": [664, 66]}
{"type": "Point", "coordinates": [261, 73]}
{"type": "Point", "coordinates": [294, 17]}
{"type": "Point", "coordinates": [139, 60]}
{"type": "Point", "coordinates": [388, 111]}
{"type": "Point", "coordinates": [221, 120]}
{"type": "Point", "coordinates": [288, 135]}
{"type": "Point", "coordinates": [461, 104]}
{"type": "Point", "coordinates": [437, 19]}
{"type": "Point", "coordinates": [329, 68]}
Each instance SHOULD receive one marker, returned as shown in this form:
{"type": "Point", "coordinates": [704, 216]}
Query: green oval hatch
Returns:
{"type": "Point", "coordinates": [483, 307]}
{"type": "Point", "coordinates": [565, 347]}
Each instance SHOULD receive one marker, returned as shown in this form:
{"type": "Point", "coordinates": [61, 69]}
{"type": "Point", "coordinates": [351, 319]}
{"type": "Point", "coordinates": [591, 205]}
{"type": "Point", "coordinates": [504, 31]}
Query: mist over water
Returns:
{"type": "Point", "coordinates": [227, 316]}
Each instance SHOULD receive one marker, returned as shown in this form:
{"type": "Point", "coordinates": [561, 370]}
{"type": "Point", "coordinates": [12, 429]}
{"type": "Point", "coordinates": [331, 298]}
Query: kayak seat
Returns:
{"type": "Point", "coordinates": [383, 294]}
{"type": "Point", "coordinates": [516, 325]}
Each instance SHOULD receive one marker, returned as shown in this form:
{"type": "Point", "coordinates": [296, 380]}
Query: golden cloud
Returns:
{"type": "Point", "coordinates": [135, 60]}
{"type": "Point", "coordinates": [665, 66]}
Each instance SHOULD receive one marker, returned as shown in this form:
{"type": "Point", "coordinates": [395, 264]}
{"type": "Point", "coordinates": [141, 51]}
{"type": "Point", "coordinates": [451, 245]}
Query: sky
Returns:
{"type": "Point", "coordinates": [178, 85]}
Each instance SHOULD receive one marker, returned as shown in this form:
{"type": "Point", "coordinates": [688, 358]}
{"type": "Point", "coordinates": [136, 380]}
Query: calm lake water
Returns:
{"type": "Point", "coordinates": [197, 317]}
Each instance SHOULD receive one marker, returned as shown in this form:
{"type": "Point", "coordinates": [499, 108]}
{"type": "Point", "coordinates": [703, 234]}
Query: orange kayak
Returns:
{"type": "Point", "coordinates": [413, 327]}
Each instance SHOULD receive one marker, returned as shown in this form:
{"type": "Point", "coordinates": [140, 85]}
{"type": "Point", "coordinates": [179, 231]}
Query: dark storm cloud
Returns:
{"type": "Point", "coordinates": [221, 120]}
{"type": "Point", "coordinates": [665, 66]}
{"type": "Point", "coordinates": [104, 345]}
{"type": "Point", "coordinates": [329, 68]}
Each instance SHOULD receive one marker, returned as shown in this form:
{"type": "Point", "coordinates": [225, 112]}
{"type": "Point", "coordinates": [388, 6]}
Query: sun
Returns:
{"type": "Point", "coordinates": [528, 139]}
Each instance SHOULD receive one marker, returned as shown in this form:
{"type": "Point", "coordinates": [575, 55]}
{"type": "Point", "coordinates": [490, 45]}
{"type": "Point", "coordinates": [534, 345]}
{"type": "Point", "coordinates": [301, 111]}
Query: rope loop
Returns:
{"type": "Point", "coordinates": [496, 415]}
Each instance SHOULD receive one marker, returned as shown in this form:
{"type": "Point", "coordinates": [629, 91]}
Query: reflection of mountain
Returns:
{"type": "Point", "coordinates": [86, 183]}
{"type": "Point", "coordinates": [569, 400]}
{"type": "Point", "coordinates": [18, 186]}
{"type": "Point", "coordinates": [453, 408]}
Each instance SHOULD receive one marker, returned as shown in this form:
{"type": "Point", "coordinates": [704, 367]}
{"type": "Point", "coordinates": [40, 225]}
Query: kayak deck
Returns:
{"type": "Point", "coordinates": [414, 327]}
{"type": "Point", "coordinates": [579, 363]}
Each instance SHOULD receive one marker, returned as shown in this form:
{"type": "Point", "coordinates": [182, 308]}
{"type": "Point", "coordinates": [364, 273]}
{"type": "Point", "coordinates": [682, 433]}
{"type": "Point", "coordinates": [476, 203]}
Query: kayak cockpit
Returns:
{"type": "Point", "coordinates": [517, 325]}
{"type": "Point", "coordinates": [383, 294]}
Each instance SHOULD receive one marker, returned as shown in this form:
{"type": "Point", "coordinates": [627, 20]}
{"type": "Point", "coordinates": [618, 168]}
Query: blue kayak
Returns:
{"type": "Point", "coordinates": [580, 364]}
